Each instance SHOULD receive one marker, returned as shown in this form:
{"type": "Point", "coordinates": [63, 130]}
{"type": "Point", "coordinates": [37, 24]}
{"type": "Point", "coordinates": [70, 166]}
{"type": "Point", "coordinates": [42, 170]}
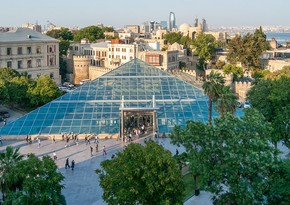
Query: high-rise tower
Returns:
{"type": "Point", "coordinates": [171, 21]}
{"type": "Point", "coordinates": [195, 24]}
{"type": "Point", "coordinates": [204, 25]}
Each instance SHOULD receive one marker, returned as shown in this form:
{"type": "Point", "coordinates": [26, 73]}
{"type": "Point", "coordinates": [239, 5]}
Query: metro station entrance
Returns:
{"type": "Point", "coordinates": [137, 122]}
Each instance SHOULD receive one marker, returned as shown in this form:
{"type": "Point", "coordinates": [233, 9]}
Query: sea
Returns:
{"type": "Point", "coordinates": [281, 38]}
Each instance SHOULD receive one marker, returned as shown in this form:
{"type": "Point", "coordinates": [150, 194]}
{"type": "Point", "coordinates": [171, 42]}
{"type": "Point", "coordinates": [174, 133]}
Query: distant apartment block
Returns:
{"type": "Point", "coordinates": [29, 51]}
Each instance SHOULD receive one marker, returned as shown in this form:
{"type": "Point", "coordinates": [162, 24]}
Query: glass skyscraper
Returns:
{"type": "Point", "coordinates": [171, 23]}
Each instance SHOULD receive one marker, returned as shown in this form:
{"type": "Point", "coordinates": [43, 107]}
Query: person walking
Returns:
{"type": "Point", "coordinates": [38, 139]}
{"type": "Point", "coordinates": [104, 150]}
{"type": "Point", "coordinates": [53, 139]}
{"type": "Point", "coordinates": [1, 140]}
{"type": "Point", "coordinates": [72, 165]}
{"type": "Point", "coordinates": [91, 150]}
{"type": "Point", "coordinates": [54, 156]}
{"type": "Point", "coordinates": [97, 147]}
{"type": "Point", "coordinates": [67, 163]}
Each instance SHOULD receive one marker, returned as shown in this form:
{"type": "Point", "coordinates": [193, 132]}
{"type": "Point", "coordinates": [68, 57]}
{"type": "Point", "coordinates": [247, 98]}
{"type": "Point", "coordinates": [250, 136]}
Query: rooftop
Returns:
{"type": "Point", "coordinates": [24, 35]}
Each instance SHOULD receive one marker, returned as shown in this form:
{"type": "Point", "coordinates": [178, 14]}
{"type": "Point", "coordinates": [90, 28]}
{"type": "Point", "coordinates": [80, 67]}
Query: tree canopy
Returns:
{"type": "Point", "coordinates": [232, 157]}
{"type": "Point", "coordinates": [151, 173]}
{"type": "Point", "coordinates": [173, 37]}
{"type": "Point", "coordinates": [92, 33]}
{"type": "Point", "coordinates": [62, 34]}
{"type": "Point", "coordinates": [271, 98]}
{"type": "Point", "coordinates": [31, 181]}
{"type": "Point", "coordinates": [204, 45]}
{"type": "Point", "coordinates": [247, 49]}
{"type": "Point", "coordinates": [19, 90]}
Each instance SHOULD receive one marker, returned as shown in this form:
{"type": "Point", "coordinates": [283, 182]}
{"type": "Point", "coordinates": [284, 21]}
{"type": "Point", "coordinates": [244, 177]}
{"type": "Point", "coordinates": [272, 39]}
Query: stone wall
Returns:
{"type": "Point", "coordinates": [81, 68]}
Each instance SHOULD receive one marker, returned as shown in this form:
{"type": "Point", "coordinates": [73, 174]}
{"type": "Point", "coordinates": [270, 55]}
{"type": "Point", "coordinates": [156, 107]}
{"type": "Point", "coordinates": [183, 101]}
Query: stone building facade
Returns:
{"type": "Point", "coordinates": [29, 51]}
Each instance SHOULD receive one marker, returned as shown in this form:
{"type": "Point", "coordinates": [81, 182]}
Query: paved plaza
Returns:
{"type": "Point", "coordinates": [82, 184]}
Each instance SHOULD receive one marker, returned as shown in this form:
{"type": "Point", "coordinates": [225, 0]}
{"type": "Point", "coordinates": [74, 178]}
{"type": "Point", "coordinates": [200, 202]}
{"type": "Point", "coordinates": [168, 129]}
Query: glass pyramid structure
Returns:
{"type": "Point", "coordinates": [95, 106]}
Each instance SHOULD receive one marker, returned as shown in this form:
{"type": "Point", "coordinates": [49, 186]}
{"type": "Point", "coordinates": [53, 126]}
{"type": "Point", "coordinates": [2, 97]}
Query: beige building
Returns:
{"type": "Point", "coordinates": [165, 60]}
{"type": "Point", "coordinates": [29, 51]}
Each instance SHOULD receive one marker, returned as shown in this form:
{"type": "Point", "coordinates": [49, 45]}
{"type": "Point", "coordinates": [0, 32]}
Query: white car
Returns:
{"type": "Point", "coordinates": [247, 105]}
{"type": "Point", "coordinates": [67, 84]}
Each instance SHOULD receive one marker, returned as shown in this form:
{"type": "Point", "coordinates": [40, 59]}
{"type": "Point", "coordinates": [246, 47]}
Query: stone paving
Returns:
{"type": "Point", "coordinates": [82, 184]}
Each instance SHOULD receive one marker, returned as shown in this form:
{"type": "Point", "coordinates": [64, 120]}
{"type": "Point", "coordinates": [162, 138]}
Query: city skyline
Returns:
{"type": "Point", "coordinates": [109, 13]}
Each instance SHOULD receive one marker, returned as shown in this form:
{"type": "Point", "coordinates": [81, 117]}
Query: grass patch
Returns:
{"type": "Point", "coordinates": [189, 186]}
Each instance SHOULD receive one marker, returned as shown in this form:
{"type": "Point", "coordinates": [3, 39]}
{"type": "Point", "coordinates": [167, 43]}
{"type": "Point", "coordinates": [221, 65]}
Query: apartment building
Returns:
{"type": "Point", "coordinates": [29, 51]}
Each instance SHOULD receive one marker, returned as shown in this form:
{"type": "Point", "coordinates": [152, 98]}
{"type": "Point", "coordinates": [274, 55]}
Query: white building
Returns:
{"type": "Point", "coordinates": [29, 51]}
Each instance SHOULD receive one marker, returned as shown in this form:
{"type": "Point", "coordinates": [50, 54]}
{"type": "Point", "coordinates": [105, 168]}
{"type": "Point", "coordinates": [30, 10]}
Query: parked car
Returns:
{"type": "Point", "coordinates": [68, 84]}
{"type": "Point", "coordinates": [84, 81]}
{"type": "Point", "coordinates": [247, 104]}
{"type": "Point", "coordinates": [4, 114]}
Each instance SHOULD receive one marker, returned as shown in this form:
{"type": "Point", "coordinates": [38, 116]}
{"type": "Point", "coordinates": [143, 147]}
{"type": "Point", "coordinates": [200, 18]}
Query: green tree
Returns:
{"type": "Point", "coordinates": [107, 29]}
{"type": "Point", "coordinates": [269, 97]}
{"type": "Point", "coordinates": [4, 95]}
{"type": "Point", "coordinates": [211, 89]}
{"type": "Point", "coordinates": [8, 160]}
{"type": "Point", "coordinates": [173, 37]}
{"type": "Point", "coordinates": [233, 156]}
{"type": "Point", "coordinates": [227, 101]}
{"type": "Point", "coordinates": [62, 34]}
{"type": "Point", "coordinates": [45, 91]}
{"type": "Point", "coordinates": [205, 46]}
{"type": "Point", "coordinates": [7, 74]}
{"type": "Point", "coordinates": [18, 90]}
{"type": "Point", "coordinates": [279, 193]}
{"type": "Point", "coordinates": [151, 173]}
{"type": "Point", "coordinates": [232, 69]}
{"type": "Point", "coordinates": [219, 65]}
{"type": "Point", "coordinates": [39, 182]}
{"type": "Point", "coordinates": [91, 32]}
{"type": "Point", "coordinates": [247, 49]}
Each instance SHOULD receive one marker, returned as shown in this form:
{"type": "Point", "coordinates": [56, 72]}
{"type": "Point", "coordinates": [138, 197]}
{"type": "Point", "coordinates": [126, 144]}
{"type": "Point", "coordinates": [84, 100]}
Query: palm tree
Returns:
{"type": "Point", "coordinates": [211, 88]}
{"type": "Point", "coordinates": [226, 102]}
{"type": "Point", "coordinates": [8, 160]}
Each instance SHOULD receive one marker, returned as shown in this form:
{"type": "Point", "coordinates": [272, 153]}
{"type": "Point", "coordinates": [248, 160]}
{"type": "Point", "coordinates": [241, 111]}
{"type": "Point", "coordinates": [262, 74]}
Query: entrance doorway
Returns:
{"type": "Point", "coordinates": [137, 122]}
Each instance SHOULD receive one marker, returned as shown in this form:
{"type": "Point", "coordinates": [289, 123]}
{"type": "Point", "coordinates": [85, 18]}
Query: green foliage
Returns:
{"type": "Point", "coordinates": [107, 29]}
{"type": "Point", "coordinates": [182, 64]}
{"type": "Point", "coordinates": [271, 98]}
{"type": "Point", "coordinates": [235, 70]}
{"type": "Point", "coordinates": [233, 156]}
{"type": "Point", "coordinates": [279, 193]}
{"type": "Point", "coordinates": [227, 101]}
{"type": "Point", "coordinates": [91, 32]}
{"type": "Point", "coordinates": [7, 74]}
{"type": "Point", "coordinates": [37, 182]}
{"type": "Point", "coordinates": [247, 49]}
{"type": "Point", "coordinates": [63, 34]}
{"type": "Point", "coordinates": [219, 65]}
{"type": "Point", "coordinates": [285, 72]}
{"type": "Point", "coordinates": [45, 91]}
{"type": "Point", "coordinates": [205, 46]}
{"type": "Point", "coordinates": [173, 37]}
{"type": "Point", "coordinates": [4, 95]}
{"type": "Point", "coordinates": [211, 88]}
{"type": "Point", "coordinates": [152, 176]}
{"type": "Point", "coordinates": [63, 47]}
{"type": "Point", "coordinates": [8, 160]}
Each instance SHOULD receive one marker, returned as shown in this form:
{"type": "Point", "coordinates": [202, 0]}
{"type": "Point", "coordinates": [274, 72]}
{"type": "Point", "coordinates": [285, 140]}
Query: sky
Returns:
{"type": "Point", "coordinates": [118, 13]}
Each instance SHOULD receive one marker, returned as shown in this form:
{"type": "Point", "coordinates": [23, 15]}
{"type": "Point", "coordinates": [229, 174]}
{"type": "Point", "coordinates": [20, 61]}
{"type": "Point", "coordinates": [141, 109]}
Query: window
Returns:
{"type": "Point", "coordinates": [38, 50]}
{"type": "Point", "coordinates": [9, 51]}
{"type": "Point", "coordinates": [51, 60]}
{"type": "Point", "coordinates": [19, 50]}
{"type": "Point", "coordinates": [50, 49]}
{"type": "Point", "coordinates": [19, 64]}
{"type": "Point", "coordinates": [117, 56]}
{"type": "Point", "coordinates": [29, 50]}
{"type": "Point", "coordinates": [124, 57]}
{"type": "Point", "coordinates": [51, 75]}
{"type": "Point", "coordinates": [9, 64]}
{"type": "Point", "coordinates": [38, 62]}
{"type": "Point", "coordinates": [29, 76]}
{"type": "Point", "coordinates": [76, 48]}
{"type": "Point", "coordinates": [117, 49]}
{"type": "Point", "coordinates": [123, 49]}
{"type": "Point", "coordinates": [29, 64]}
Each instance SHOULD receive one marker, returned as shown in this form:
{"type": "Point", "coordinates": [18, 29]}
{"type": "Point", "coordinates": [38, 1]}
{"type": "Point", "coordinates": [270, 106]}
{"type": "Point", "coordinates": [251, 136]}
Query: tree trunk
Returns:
{"type": "Point", "coordinates": [196, 190]}
{"type": "Point", "coordinates": [209, 110]}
